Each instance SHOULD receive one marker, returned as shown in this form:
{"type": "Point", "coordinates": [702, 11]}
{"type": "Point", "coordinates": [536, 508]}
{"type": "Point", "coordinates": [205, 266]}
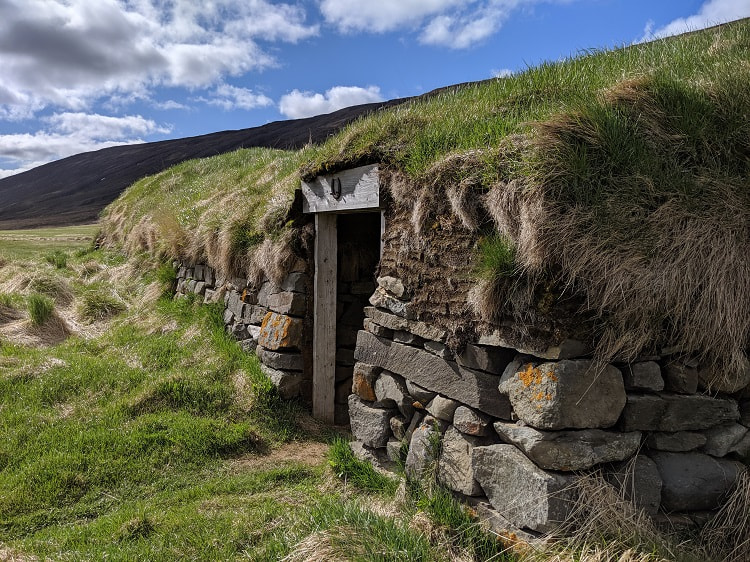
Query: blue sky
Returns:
{"type": "Point", "coordinates": [79, 75]}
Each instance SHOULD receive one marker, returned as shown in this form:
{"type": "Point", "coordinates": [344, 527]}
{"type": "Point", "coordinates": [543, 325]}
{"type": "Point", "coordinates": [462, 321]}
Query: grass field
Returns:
{"type": "Point", "coordinates": [25, 244]}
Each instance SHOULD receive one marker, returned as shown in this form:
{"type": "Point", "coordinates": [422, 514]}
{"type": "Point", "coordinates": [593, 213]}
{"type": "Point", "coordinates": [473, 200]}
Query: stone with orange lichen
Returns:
{"type": "Point", "coordinates": [571, 394]}
{"type": "Point", "coordinates": [280, 332]}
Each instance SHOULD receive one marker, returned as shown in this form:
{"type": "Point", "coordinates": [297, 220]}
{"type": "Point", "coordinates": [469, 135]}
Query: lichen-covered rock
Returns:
{"type": "Point", "coordinates": [676, 412]}
{"type": "Point", "coordinates": [572, 449]}
{"type": "Point", "coordinates": [471, 422]}
{"type": "Point", "coordinates": [693, 481]}
{"type": "Point", "coordinates": [522, 492]}
{"type": "Point", "coordinates": [454, 467]}
{"type": "Point", "coordinates": [280, 332]}
{"type": "Point", "coordinates": [567, 394]}
{"type": "Point", "coordinates": [363, 381]}
{"type": "Point", "coordinates": [371, 426]}
{"type": "Point", "coordinates": [394, 322]}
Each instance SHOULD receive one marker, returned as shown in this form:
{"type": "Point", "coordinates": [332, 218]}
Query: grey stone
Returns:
{"type": "Point", "coordinates": [238, 330]}
{"type": "Point", "coordinates": [376, 456]}
{"type": "Point", "coordinates": [421, 395]}
{"type": "Point", "coordinates": [638, 480]}
{"type": "Point", "coordinates": [415, 422]}
{"type": "Point", "coordinates": [182, 272]}
{"type": "Point", "coordinates": [681, 378]}
{"type": "Point", "coordinates": [392, 285]}
{"type": "Point", "coordinates": [228, 317]}
{"type": "Point", "coordinates": [189, 286]}
{"type": "Point", "coordinates": [209, 275]}
{"type": "Point", "coordinates": [471, 422]}
{"type": "Point", "coordinates": [492, 520]}
{"type": "Point", "coordinates": [486, 358]}
{"type": "Point", "coordinates": [254, 314]}
{"type": "Point", "coordinates": [295, 282]}
{"type": "Point", "coordinates": [678, 442]}
{"type": "Point", "coordinates": [390, 391]}
{"type": "Point", "coordinates": [742, 448]}
{"type": "Point", "coordinates": [675, 412]}
{"type": "Point", "coordinates": [570, 450]}
{"type": "Point", "coordinates": [198, 273]}
{"type": "Point", "coordinates": [473, 388]}
{"type": "Point", "coordinates": [235, 304]}
{"type": "Point", "coordinates": [266, 290]}
{"type": "Point", "coordinates": [729, 381]}
{"type": "Point", "coordinates": [281, 332]}
{"type": "Point", "coordinates": [442, 408]}
{"type": "Point", "coordinates": [402, 336]}
{"type": "Point", "coordinates": [377, 329]}
{"type": "Point", "coordinates": [190, 273]}
{"type": "Point", "coordinates": [454, 468]}
{"type": "Point", "coordinates": [362, 288]}
{"type": "Point", "coordinates": [288, 384]}
{"type": "Point", "coordinates": [643, 376]}
{"type": "Point", "coordinates": [439, 349]}
{"type": "Point", "coordinates": [381, 299]}
{"type": "Point", "coordinates": [393, 322]}
{"type": "Point", "coordinates": [283, 360]}
{"type": "Point", "coordinates": [522, 492]}
{"type": "Point", "coordinates": [199, 288]}
{"type": "Point", "coordinates": [744, 406]}
{"type": "Point", "coordinates": [393, 450]}
{"type": "Point", "coordinates": [720, 440]}
{"type": "Point", "coordinates": [693, 481]}
{"type": "Point", "coordinates": [567, 394]}
{"type": "Point", "coordinates": [254, 332]}
{"type": "Point", "coordinates": [292, 304]}
{"type": "Point", "coordinates": [424, 448]}
{"type": "Point", "coordinates": [180, 288]}
{"type": "Point", "coordinates": [399, 427]}
{"type": "Point", "coordinates": [370, 425]}
{"type": "Point", "coordinates": [566, 349]}
{"type": "Point", "coordinates": [249, 345]}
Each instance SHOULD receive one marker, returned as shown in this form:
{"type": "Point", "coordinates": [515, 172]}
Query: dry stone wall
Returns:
{"type": "Point", "coordinates": [511, 430]}
{"type": "Point", "coordinates": [272, 320]}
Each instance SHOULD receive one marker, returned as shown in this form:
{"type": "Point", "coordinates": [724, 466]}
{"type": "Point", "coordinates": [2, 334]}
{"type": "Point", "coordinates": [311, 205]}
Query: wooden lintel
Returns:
{"type": "Point", "coordinates": [324, 323]}
{"type": "Point", "coordinates": [348, 190]}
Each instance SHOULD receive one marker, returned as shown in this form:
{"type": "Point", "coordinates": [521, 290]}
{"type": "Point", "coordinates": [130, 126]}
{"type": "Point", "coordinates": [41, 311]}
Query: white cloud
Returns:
{"type": "Point", "coordinates": [711, 12]}
{"type": "Point", "coordinates": [71, 133]}
{"type": "Point", "coordinates": [299, 104]}
{"type": "Point", "coordinates": [501, 72]}
{"type": "Point", "coordinates": [231, 97]}
{"type": "Point", "coordinates": [69, 53]}
{"type": "Point", "coordinates": [457, 24]}
{"type": "Point", "coordinates": [169, 104]}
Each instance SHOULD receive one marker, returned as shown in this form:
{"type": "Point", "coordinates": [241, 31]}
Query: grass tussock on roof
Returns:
{"type": "Point", "coordinates": [621, 174]}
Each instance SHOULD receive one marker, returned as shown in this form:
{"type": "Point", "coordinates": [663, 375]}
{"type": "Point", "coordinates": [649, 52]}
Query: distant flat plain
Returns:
{"type": "Point", "coordinates": [26, 244]}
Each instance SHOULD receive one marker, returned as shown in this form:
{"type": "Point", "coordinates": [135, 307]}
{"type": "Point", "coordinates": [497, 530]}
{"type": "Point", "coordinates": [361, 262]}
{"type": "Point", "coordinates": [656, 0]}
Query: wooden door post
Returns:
{"type": "Point", "coordinates": [324, 322]}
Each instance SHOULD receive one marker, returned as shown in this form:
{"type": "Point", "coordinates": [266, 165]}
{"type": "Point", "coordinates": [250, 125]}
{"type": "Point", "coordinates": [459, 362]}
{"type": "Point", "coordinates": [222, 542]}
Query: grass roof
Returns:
{"type": "Point", "coordinates": [622, 174]}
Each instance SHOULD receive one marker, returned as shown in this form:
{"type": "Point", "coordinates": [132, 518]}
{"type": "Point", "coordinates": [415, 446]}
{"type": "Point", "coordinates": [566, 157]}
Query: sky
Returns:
{"type": "Point", "coordinates": [80, 75]}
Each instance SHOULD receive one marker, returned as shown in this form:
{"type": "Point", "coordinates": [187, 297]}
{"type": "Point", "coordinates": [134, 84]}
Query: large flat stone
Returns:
{"type": "Point", "coordinates": [280, 332]}
{"type": "Point", "coordinates": [486, 358]}
{"type": "Point", "coordinates": [288, 384]}
{"type": "Point", "coordinates": [284, 360]}
{"type": "Point", "coordinates": [454, 467]}
{"type": "Point", "coordinates": [522, 492]}
{"type": "Point", "coordinates": [693, 481]}
{"type": "Point", "coordinates": [287, 302]}
{"type": "Point", "coordinates": [566, 394]}
{"type": "Point", "coordinates": [473, 388]}
{"type": "Point", "coordinates": [676, 412]}
{"type": "Point", "coordinates": [639, 481]}
{"type": "Point", "coordinates": [572, 449]}
{"type": "Point", "coordinates": [677, 442]}
{"type": "Point", "coordinates": [566, 349]}
{"type": "Point", "coordinates": [371, 426]}
{"type": "Point", "coordinates": [393, 322]}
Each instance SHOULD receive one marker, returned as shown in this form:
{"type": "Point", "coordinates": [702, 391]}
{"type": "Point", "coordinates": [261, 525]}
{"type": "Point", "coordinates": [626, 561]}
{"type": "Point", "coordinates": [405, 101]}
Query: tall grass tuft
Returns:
{"type": "Point", "coordinates": [57, 258]}
{"type": "Point", "coordinates": [358, 473]}
{"type": "Point", "coordinates": [40, 308]}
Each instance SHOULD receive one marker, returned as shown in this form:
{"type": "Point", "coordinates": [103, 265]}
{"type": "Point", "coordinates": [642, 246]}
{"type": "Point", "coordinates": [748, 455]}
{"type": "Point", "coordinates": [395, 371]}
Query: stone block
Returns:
{"type": "Point", "coordinates": [681, 378]}
{"type": "Point", "coordinates": [381, 299]}
{"type": "Point", "coordinates": [729, 381]}
{"type": "Point", "coordinates": [376, 456]}
{"type": "Point", "coordinates": [678, 442]}
{"type": "Point", "coordinates": [722, 439]}
{"type": "Point", "coordinates": [399, 426]}
{"type": "Point", "coordinates": [570, 450]}
{"type": "Point", "coordinates": [198, 273]}
{"type": "Point", "coordinates": [371, 426]}
{"type": "Point", "coordinates": [297, 282]}
{"type": "Point", "coordinates": [393, 286]}
{"type": "Point", "coordinates": [393, 322]}
{"type": "Point", "coordinates": [235, 304]}
{"type": "Point", "coordinates": [439, 349]}
{"type": "Point", "coordinates": [209, 275]}
{"type": "Point", "coordinates": [390, 392]}
{"type": "Point", "coordinates": [363, 382]}
{"type": "Point", "coordinates": [643, 376]}
{"type": "Point", "coordinates": [394, 450]}
{"type": "Point", "coordinates": [228, 317]}
{"type": "Point", "coordinates": [471, 422]}
{"type": "Point", "coordinates": [280, 332]}
{"type": "Point", "coordinates": [377, 329]}
{"type": "Point", "coordinates": [522, 492]}
{"type": "Point", "coordinates": [473, 388]}
{"type": "Point", "coordinates": [199, 288]}
{"type": "Point", "coordinates": [293, 304]}
{"type": "Point", "coordinates": [424, 448]}
{"type": "Point", "coordinates": [442, 408]}
{"type": "Point", "coordinates": [284, 360]}
{"type": "Point", "coordinates": [693, 481]}
{"type": "Point", "coordinates": [402, 336]}
{"type": "Point", "coordinates": [638, 480]}
{"type": "Point", "coordinates": [454, 468]}
{"type": "Point", "coordinates": [566, 349]}
{"type": "Point", "coordinates": [421, 395]}
{"type": "Point", "coordinates": [288, 384]}
{"type": "Point", "coordinates": [254, 314]}
{"type": "Point", "coordinates": [249, 297]}
{"type": "Point", "coordinates": [675, 412]}
{"type": "Point", "coordinates": [266, 290]}
{"type": "Point", "coordinates": [486, 358]}
{"type": "Point", "coordinates": [238, 330]}
{"type": "Point", "coordinates": [566, 394]}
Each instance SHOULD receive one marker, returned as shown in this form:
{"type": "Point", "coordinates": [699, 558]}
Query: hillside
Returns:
{"type": "Point", "coordinates": [75, 189]}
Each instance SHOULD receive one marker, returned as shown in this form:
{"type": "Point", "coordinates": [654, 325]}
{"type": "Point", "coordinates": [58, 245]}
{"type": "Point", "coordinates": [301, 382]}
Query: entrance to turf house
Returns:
{"type": "Point", "coordinates": [348, 230]}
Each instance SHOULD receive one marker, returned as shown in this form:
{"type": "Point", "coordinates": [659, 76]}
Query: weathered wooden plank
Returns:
{"type": "Point", "coordinates": [324, 324]}
{"type": "Point", "coordinates": [358, 188]}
